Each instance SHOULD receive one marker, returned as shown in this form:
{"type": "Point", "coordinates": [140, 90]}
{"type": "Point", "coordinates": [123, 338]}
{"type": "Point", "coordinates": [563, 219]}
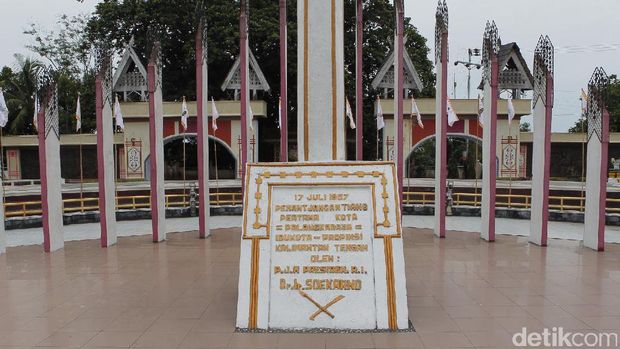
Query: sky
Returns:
{"type": "Point", "coordinates": [584, 33]}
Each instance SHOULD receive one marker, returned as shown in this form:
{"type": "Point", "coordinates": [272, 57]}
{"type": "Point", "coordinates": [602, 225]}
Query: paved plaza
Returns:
{"type": "Point", "coordinates": [463, 292]}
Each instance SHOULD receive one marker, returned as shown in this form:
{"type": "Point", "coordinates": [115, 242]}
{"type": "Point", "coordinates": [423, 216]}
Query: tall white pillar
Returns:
{"type": "Point", "coordinates": [49, 167]}
{"type": "Point", "coordinates": [320, 82]}
{"type": "Point", "coordinates": [597, 160]}
{"type": "Point", "coordinates": [490, 45]}
{"type": "Point", "coordinates": [441, 118]}
{"type": "Point", "coordinates": [156, 134]}
{"type": "Point", "coordinates": [105, 151]}
{"type": "Point", "coordinates": [543, 108]}
{"type": "Point", "coordinates": [202, 116]}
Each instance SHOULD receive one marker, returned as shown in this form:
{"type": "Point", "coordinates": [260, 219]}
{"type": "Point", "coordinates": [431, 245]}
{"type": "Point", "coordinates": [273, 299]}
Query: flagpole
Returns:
{"type": "Point", "coordinates": [583, 152]}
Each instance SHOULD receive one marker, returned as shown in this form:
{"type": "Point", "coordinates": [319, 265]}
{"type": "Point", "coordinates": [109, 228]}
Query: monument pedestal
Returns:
{"type": "Point", "coordinates": [322, 248]}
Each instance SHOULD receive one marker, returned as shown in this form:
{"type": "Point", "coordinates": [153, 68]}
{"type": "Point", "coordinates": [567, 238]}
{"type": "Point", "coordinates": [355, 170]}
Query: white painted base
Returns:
{"type": "Point", "coordinates": [270, 242]}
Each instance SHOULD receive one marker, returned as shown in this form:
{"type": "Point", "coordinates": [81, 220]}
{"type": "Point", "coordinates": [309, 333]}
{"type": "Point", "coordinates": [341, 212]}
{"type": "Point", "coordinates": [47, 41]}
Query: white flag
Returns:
{"type": "Point", "coordinates": [214, 115]}
{"type": "Point", "coordinates": [35, 117]}
{"type": "Point", "coordinates": [349, 114]}
{"type": "Point", "coordinates": [250, 117]}
{"type": "Point", "coordinates": [416, 111]}
{"type": "Point", "coordinates": [78, 116]}
{"type": "Point", "coordinates": [452, 117]}
{"type": "Point", "coordinates": [511, 110]}
{"type": "Point", "coordinates": [380, 121]}
{"type": "Point", "coordinates": [118, 115]}
{"type": "Point", "coordinates": [184, 114]}
{"type": "Point", "coordinates": [279, 111]}
{"type": "Point", "coordinates": [4, 111]}
{"type": "Point", "coordinates": [480, 110]}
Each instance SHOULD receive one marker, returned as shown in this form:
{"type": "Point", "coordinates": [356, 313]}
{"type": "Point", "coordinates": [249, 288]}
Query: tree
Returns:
{"type": "Point", "coordinates": [67, 49]}
{"type": "Point", "coordinates": [21, 86]}
{"type": "Point", "coordinates": [115, 22]}
{"type": "Point", "coordinates": [613, 107]}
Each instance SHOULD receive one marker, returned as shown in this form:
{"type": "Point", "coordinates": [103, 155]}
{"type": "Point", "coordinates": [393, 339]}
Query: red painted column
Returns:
{"type": "Point", "coordinates": [283, 83]}
{"type": "Point", "coordinates": [443, 138]}
{"type": "Point", "coordinates": [202, 130]}
{"type": "Point", "coordinates": [493, 151]}
{"type": "Point", "coordinates": [603, 179]}
{"type": "Point", "coordinates": [398, 116]}
{"type": "Point", "coordinates": [359, 92]}
{"type": "Point", "coordinates": [243, 56]}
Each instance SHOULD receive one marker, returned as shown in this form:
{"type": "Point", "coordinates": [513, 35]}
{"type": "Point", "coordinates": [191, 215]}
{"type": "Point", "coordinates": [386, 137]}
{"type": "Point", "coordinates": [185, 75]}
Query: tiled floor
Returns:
{"type": "Point", "coordinates": [463, 292]}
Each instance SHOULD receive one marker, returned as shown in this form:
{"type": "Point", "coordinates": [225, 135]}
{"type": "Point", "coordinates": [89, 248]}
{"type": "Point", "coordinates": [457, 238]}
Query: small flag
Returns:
{"type": "Point", "coordinates": [416, 111]}
{"type": "Point", "coordinates": [481, 110]}
{"type": "Point", "coordinates": [380, 121]}
{"type": "Point", "coordinates": [4, 111]}
{"type": "Point", "coordinates": [279, 111]}
{"type": "Point", "coordinates": [35, 117]}
{"type": "Point", "coordinates": [214, 115]}
{"type": "Point", "coordinates": [511, 110]}
{"type": "Point", "coordinates": [118, 115]}
{"type": "Point", "coordinates": [78, 115]}
{"type": "Point", "coordinates": [452, 117]}
{"type": "Point", "coordinates": [250, 117]}
{"type": "Point", "coordinates": [184, 114]}
{"type": "Point", "coordinates": [349, 114]}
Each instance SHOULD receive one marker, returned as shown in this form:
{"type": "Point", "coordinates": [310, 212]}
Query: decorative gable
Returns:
{"type": "Point", "coordinates": [130, 78]}
{"type": "Point", "coordinates": [257, 80]}
{"type": "Point", "coordinates": [385, 77]}
{"type": "Point", "coordinates": [514, 73]}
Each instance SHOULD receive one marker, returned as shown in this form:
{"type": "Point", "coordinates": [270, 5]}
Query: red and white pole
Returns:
{"type": "Point", "coordinates": [243, 57]}
{"type": "Point", "coordinates": [283, 83]}
{"type": "Point", "coordinates": [202, 121]}
{"type": "Point", "coordinates": [359, 92]}
{"type": "Point", "coordinates": [398, 95]}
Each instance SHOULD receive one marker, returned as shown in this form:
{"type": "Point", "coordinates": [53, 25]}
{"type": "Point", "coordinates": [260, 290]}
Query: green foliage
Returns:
{"type": "Point", "coordinates": [20, 88]}
{"type": "Point", "coordinates": [613, 107]}
{"type": "Point", "coordinates": [116, 22]}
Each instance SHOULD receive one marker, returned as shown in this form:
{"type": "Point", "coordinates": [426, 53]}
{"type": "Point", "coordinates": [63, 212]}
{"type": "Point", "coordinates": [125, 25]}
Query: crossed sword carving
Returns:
{"type": "Point", "coordinates": [322, 309]}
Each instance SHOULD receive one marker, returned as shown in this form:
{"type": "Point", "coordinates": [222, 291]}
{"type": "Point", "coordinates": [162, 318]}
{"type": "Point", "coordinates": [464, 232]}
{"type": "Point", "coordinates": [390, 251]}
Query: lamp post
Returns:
{"type": "Point", "coordinates": [472, 52]}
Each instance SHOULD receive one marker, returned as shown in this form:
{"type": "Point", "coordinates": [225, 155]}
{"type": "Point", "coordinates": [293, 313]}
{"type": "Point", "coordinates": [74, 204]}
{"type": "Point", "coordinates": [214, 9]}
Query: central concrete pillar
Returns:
{"type": "Point", "coordinates": [441, 117]}
{"type": "Point", "coordinates": [320, 82]}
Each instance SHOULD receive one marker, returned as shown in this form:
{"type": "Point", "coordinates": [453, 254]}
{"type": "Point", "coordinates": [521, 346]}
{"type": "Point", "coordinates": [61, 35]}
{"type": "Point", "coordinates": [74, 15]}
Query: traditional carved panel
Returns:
{"type": "Point", "coordinates": [491, 43]}
{"type": "Point", "coordinates": [441, 27]}
{"type": "Point", "coordinates": [543, 68]}
{"type": "Point", "coordinates": [597, 99]}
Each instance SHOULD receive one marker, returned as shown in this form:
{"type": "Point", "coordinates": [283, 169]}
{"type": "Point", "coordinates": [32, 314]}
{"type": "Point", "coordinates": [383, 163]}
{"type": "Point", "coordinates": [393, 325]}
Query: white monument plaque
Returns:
{"type": "Point", "coordinates": [322, 248]}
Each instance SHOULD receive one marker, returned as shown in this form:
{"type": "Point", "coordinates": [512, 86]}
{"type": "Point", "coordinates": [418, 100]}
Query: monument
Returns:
{"type": "Point", "coordinates": [321, 243]}
{"type": "Point", "coordinates": [49, 164]}
{"type": "Point", "coordinates": [156, 134]}
{"type": "Point", "coordinates": [542, 109]}
{"type": "Point", "coordinates": [596, 170]}
{"type": "Point", "coordinates": [105, 148]}
{"type": "Point", "coordinates": [490, 76]}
